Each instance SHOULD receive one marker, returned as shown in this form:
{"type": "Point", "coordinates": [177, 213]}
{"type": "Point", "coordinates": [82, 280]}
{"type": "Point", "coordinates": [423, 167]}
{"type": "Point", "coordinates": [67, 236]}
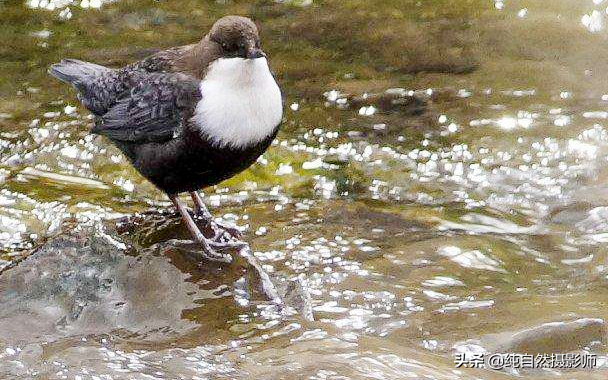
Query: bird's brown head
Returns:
{"type": "Point", "coordinates": [236, 36]}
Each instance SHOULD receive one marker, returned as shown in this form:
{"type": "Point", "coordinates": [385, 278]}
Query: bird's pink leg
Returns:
{"type": "Point", "coordinates": [201, 210]}
{"type": "Point", "coordinates": [209, 247]}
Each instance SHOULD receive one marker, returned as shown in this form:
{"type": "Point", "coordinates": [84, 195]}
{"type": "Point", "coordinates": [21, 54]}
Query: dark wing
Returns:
{"type": "Point", "coordinates": [156, 109]}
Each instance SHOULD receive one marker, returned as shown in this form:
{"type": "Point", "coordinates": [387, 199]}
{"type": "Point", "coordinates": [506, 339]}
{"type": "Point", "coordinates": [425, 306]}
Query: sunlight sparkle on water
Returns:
{"type": "Point", "coordinates": [594, 22]}
{"type": "Point", "coordinates": [509, 123]}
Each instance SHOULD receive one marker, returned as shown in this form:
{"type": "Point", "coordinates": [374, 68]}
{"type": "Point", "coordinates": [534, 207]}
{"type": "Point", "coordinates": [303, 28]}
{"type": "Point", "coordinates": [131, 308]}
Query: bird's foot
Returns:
{"type": "Point", "coordinates": [219, 229]}
{"type": "Point", "coordinates": [209, 249]}
{"type": "Point", "coordinates": [229, 244]}
{"type": "Point", "coordinates": [222, 232]}
{"type": "Point", "coordinates": [230, 230]}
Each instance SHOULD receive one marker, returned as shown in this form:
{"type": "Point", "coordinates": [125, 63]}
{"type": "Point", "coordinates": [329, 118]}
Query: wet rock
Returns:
{"type": "Point", "coordinates": [89, 283]}
{"type": "Point", "coordinates": [84, 284]}
{"type": "Point", "coordinates": [154, 228]}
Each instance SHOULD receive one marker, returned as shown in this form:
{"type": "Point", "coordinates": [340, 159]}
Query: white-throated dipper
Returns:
{"type": "Point", "coordinates": [187, 117]}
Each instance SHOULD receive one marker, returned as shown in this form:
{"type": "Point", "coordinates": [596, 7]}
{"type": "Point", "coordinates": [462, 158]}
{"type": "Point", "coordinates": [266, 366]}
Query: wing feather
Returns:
{"type": "Point", "coordinates": [156, 109]}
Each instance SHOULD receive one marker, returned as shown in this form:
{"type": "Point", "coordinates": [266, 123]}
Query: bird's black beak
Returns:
{"type": "Point", "coordinates": [253, 53]}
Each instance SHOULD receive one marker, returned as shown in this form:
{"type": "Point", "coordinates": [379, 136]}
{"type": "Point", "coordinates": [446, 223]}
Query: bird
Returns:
{"type": "Point", "coordinates": [187, 117]}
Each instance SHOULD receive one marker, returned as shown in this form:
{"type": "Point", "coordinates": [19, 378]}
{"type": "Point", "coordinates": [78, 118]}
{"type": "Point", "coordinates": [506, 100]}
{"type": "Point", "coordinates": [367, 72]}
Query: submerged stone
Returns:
{"type": "Point", "coordinates": [544, 339]}
{"type": "Point", "coordinates": [548, 338]}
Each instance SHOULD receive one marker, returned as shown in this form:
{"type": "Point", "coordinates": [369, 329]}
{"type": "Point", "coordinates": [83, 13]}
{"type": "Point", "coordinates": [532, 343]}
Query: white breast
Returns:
{"type": "Point", "coordinates": [241, 102]}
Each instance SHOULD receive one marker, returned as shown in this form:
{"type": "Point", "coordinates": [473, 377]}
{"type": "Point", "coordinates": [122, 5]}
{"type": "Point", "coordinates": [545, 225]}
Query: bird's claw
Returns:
{"type": "Point", "coordinates": [208, 249]}
{"type": "Point", "coordinates": [232, 231]}
{"type": "Point", "coordinates": [219, 229]}
{"type": "Point", "coordinates": [228, 244]}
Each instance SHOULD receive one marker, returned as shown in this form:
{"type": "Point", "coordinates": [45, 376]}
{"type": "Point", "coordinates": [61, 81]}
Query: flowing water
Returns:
{"type": "Point", "coordinates": [439, 183]}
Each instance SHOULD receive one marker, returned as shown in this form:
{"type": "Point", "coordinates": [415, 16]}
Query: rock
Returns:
{"type": "Point", "coordinates": [88, 282]}
{"type": "Point", "coordinates": [83, 284]}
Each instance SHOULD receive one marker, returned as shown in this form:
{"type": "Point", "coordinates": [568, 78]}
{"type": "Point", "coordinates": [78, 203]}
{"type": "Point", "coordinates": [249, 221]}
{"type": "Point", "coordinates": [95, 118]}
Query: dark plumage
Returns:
{"type": "Point", "coordinates": [149, 110]}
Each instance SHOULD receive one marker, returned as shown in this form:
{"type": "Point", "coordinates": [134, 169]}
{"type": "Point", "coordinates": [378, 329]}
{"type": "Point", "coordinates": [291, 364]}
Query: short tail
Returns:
{"type": "Point", "coordinates": [77, 73]}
